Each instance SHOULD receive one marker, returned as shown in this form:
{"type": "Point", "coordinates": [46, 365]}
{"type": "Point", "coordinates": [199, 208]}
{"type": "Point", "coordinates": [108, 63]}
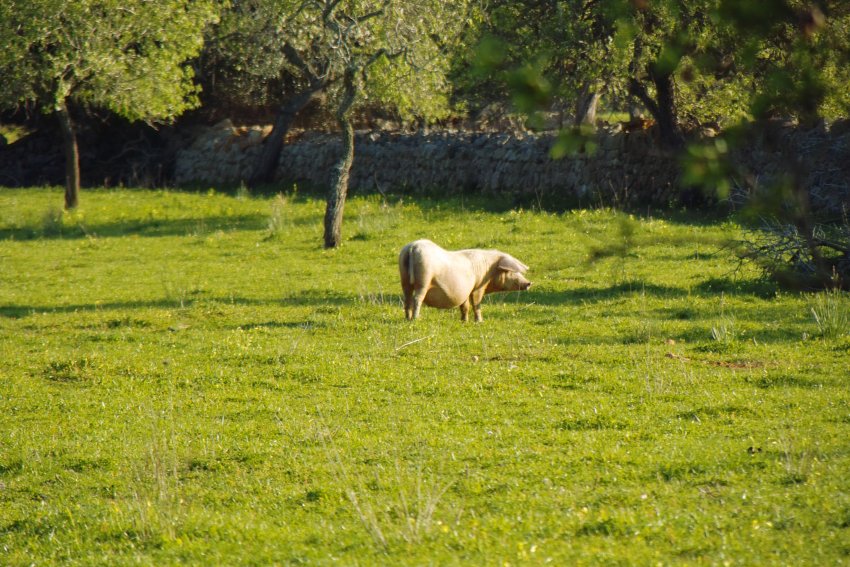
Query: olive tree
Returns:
{"type": "Point", "coordinates": [262, 53]}
{"type": "Point", "coordinates": [127, 56]}
{"type": "Point", "coordinates": [389, 53]}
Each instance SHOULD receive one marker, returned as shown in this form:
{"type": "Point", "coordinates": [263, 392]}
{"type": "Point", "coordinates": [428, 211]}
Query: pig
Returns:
{"type": "Point", "coordinates": [446, 279]}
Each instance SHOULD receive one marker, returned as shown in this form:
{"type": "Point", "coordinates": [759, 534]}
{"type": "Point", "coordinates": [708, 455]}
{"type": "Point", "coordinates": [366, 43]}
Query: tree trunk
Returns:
{"type": "Point", "coordinates": [668, 116]}
{"type": "Point", "coordinates": [586, 106]}
{"type": "Point", "coordinates": [663, 109]}
{"type": "Point", "coordinates": [72, 157]}
{"type": "Point", "coordinates": [339, 189]}
{"type": "Point", "coordinates": [264, 168]}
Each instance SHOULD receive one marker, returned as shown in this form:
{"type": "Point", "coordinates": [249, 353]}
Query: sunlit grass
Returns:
{"type": "Point", "coordinates": [192, 378]}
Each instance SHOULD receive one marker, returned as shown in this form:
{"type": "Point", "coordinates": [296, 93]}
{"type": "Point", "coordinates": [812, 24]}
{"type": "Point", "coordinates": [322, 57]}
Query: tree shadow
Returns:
{"type": "Point", "coordinates": [762, 287]}
{"type": "Point", "coordinates": [597, 294]}
{"type": "Point", "coordinates": [711, 287]}
{"type": "Point", "coordinates": [314, 298]}
{"type": "Point", "coordinates": [303, 325]}
{"type": "Point", "coordinates": [139, 227]}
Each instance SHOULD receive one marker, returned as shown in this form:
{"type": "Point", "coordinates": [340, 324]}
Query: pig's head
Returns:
{"type": "Point", "coordinates": [509, 275]}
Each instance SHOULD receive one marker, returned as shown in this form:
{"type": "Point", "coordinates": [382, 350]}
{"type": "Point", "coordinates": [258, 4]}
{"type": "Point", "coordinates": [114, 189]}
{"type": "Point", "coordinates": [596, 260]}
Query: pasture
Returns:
{"type": "Point", "coordinates": [190, 378]}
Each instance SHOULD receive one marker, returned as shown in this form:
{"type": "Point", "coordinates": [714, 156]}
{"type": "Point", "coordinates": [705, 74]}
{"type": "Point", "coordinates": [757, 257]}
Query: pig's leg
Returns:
{"type": "Point", "coordinates": [404, 271]}
{"type": "Point", "coordinates": [408, 305]}
{"type": "Point", "coordinates": [476, 298]}
{"type": "Point", "coordinates": [408, 300]}
{"type": "Point", "coordinates": [464, 311]}
{"type": "Point", "coordinates": [418, 297]}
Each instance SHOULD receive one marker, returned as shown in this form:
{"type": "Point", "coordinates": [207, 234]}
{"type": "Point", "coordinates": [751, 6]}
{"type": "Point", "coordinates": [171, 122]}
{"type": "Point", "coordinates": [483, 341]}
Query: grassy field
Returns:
{"type": "Point", "coordinates": [190, 378]}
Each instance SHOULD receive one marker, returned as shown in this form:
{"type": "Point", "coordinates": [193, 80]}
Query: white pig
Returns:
{"type": "Point", "coordinates": [446, 279]}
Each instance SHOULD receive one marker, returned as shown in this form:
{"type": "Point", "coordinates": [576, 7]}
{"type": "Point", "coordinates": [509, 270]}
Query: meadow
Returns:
{"type": "Point", "coordinates": [190, 378]}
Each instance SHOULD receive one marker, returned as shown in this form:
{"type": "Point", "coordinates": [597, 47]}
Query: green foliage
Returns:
{"type": "Point", "coordinates": [128, 57]}
{"type": "Point", "coordinates": [11, 133]}
{"type": "Point", "coordinates": [179, 388]}
{"type": "Point", "coordinates": [801, 53]}
{"type": "Point", "coordinates": [409, 91]}
{"type": "Point", "coordinates": [267, 49]}
{"type": "Point", "coordinates": [243, 58]}
{"type": "Point", "coordinates": [536, 54]}
{"type": "Point", "coordinates": [706, 164]}
{"type": "Point", "coordinates": [731, 60]}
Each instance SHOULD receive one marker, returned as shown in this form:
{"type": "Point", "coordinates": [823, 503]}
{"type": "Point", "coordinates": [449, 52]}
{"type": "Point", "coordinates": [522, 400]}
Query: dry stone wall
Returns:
{"type": "Point", "coordinates": [626, 168]}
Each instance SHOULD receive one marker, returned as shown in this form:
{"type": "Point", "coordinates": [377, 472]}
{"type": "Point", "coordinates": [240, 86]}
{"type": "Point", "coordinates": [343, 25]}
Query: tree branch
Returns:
{"type": "Point", "coordinates": [295, 58]}
{"type": "Point", "coordinates": [638, 90]}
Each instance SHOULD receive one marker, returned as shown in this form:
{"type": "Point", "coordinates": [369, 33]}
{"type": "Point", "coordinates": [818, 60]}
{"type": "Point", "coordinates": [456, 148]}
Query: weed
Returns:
{"type": "Point", "coordinates": [724, 330]}
{"type": "Point", "coordinates": [831, 313]}
{"type": "Point", "coordinates": [353, 489]}
{"type": "Point", "coordinates": [74, 370]}
{"type": "Point", "coordinates": [405, 509]}
{"type": "Point", "coordinates": [156, 505]}
{"type": "Point", "coordinates": [52, 222]}
{"type": "Point", "coordinates": [243, 192]}
{"type": "Point", "coordinates": [175, 291]}
{"type": "Point", "coordinates": [796, 462]}
{"type": "Point", "coordinates": [277, 221]}
{"type": "Point", "coordinates": [375, 219]}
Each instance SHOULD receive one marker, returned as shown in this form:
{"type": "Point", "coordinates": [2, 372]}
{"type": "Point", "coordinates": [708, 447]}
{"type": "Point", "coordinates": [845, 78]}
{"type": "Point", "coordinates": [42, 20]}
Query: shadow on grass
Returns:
{"type": "Point", "coordinates": [308, 298]}
{"type": "Point", "coordinates": [303, 324]}
{"type": "Point", "coordinates": [140, 227]}
{"type": "Point", "coordinates": [596, 294]}
{"type": "Point", "coordinates": [763, 288]}
{"type": "Point", "coordinates": [709, 288]}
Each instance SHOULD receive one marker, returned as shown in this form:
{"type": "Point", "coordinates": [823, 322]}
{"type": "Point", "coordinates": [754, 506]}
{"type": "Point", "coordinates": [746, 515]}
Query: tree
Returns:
{"type": "Point", "coordinates": [737, 64]}
{"type": "Point", "coordinates": [127, 56]}
{"type": "Point", "coordinates": [537, 55]}
{"type": "Point", "coordinates": [390, 51]}
{"type": "Point", "coordinates": [802, 51]}
{"type": "Point", "coordinates": [257, 55]}
{"type": "Point", "coordinates": [669, 56]}
{"type": "Point", "coordinates": [393, 54]}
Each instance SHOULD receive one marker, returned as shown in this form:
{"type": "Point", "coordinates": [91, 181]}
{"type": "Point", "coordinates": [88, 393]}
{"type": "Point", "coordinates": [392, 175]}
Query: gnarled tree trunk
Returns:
{"type": "Point", "coordinates": [72, 156]}
{"type": "Point", "coordinates": [266, 164]}
{"type": "Point", "coordinates": [267, 161]}
{"type": "Point", "coordinates": [663, 109]}
{"type": "Point", "coordinates": [339, 189]}
{"type": "Point", "coordinates": [586, 105]}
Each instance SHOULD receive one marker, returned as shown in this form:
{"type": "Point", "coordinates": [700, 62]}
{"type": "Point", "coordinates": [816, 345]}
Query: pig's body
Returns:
{"type": "Point", "coordinates": [445, 279]}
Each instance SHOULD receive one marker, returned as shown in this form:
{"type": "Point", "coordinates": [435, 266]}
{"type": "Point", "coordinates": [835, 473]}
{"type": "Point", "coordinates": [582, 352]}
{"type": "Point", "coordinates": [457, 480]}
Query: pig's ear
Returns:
{"type": "Point", "coordinates": [511, 264]}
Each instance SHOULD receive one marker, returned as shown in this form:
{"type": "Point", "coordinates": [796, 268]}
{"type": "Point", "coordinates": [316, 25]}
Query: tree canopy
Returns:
{"type": "Point", "coordinates": [685, 63]}
{"type": "Point", "coordinates": [715, 61]}
{"type": "Point", "coordinates": [127, 56]}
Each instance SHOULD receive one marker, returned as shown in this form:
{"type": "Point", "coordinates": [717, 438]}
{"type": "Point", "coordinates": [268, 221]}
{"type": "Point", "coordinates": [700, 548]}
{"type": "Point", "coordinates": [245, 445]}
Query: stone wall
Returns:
{"type": "Point", "coordinates": [626, 168]}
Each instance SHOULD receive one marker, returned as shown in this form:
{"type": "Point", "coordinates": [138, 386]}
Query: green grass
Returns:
{"type": "Point", "coordinates": [190, 378]}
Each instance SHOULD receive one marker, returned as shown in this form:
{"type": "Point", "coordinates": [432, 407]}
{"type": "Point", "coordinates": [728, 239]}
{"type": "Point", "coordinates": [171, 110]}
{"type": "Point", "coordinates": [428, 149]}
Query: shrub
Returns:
{"type": "Point", "coordinates": [815, 259]}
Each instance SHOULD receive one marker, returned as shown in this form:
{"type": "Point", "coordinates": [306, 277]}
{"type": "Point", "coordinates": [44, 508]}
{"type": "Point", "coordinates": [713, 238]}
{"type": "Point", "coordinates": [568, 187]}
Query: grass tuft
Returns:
{"type": "Point", "coordinates": [831, 313]}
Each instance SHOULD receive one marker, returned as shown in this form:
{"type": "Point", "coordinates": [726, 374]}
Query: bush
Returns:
{"type": "Point", "coordinates": [815, 259]}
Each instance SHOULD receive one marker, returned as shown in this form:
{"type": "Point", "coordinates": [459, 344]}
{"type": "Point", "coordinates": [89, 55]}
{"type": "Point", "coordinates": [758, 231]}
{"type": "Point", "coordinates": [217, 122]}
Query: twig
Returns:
{"type": "Point", "coordinates": [414, 341]}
